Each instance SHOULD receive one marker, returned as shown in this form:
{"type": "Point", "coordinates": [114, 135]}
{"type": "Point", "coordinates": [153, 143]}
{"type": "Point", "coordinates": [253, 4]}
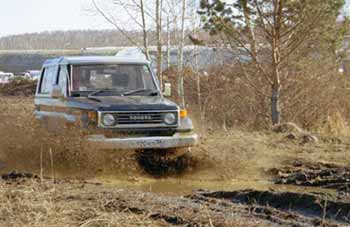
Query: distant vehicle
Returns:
{"type": "Point", "coordinates": [23, 75]}
{"type": "Point", "coordinates": [31, 74]}
{"type": "Point", "coordinates": [34, 74]}
{"type": "Point", "coordinates": [5, 77]}
{"type": "Point", "coordinates": [118, 100]}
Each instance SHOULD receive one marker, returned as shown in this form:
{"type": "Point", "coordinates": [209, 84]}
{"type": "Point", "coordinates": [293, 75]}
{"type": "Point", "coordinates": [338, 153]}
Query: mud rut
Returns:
{"type": "Point", "coordinates": [324, 175]}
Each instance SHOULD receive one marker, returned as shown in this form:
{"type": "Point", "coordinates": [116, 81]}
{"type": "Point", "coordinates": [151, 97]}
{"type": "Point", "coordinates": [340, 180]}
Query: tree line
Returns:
{"type": "Point", "coordinates": [281, 44]}
{"type": "Point", "coordinates": [75, 39]}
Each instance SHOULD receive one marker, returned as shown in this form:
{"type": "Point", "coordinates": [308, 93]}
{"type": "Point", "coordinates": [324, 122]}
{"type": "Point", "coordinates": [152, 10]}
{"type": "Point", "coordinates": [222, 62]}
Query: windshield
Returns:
{"type": "Point", "coordinates": [112, 79]}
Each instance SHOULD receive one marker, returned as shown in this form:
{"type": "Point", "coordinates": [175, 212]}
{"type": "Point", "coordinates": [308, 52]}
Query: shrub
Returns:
{"type": "Point", "coordinates": [19, 86]}
{"type": "Point", "coordinates": [315, 98]}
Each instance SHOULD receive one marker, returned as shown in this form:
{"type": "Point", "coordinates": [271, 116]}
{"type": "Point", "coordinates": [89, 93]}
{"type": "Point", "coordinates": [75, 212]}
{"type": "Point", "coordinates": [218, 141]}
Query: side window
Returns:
{"type": "Point", "coordinates": [48, 79]}
{"type": "Point", "coordinates": [62, 79]}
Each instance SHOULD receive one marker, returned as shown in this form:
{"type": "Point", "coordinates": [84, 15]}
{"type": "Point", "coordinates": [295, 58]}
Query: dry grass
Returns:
{"type": "Point", "coordinates": [315, 98]}
{"type": "Point", "coordinates": [74, 203]}
{"type": "Point", "coordinates": [247, 156]}
{"type": "Point", "coordinates": [44, 204]}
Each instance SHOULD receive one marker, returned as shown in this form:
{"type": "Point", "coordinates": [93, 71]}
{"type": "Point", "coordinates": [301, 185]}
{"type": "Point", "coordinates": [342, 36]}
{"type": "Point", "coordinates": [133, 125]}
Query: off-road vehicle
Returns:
{"type": "Point", "coordinates": [118, 100]}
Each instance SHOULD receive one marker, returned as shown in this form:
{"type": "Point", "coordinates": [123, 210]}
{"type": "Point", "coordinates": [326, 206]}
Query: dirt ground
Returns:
{"type": "Point", "coordinates": [235, 178]}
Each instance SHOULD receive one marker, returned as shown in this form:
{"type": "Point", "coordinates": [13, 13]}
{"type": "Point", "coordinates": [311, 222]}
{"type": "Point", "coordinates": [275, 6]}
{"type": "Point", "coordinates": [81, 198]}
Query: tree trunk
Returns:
{"type": "Point", "coordinates": [168, 42]}
{"type": "Point", "coordinates": [276, 84]}
{"type": "Point", "coordinates": [196, 55]}
{"type": "Point", "coordinates": [198, 86]}
{"type": "Point", "coordinates": [251, 35]}
{"type": "Point", "coordinates": [275, 105]}
{"type": "Point", "coordinates": [159, 41]}
{"type": "Point", "coordinates": [144, 30]}
{"type": "Point", "coordinates": [276, 62]}
{"type": "Point", "coordinates": [180, 77]}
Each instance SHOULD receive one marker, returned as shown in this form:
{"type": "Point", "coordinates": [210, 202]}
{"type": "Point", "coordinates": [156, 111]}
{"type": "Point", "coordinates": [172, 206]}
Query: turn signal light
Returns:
{"type": "Point", "coordinates": [183, 113]}
{"type": "Point", "coordinates": [92, 116]}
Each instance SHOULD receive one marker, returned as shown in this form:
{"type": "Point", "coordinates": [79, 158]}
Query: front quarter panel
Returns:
{"type": "Point", "coordinates": [186, 125]}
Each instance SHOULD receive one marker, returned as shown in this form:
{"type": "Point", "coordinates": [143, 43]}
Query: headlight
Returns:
{"type": "Point", "coordinates": [170, 119]}
{"type": "Point", "coordinates": [108, 120]}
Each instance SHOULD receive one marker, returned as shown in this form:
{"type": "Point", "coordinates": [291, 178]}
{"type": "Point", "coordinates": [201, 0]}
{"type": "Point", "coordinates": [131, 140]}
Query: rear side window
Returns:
{"type": "Point", "coordinates": [48, 79]}
{"type": "Point", "coordinates": [62, 79]}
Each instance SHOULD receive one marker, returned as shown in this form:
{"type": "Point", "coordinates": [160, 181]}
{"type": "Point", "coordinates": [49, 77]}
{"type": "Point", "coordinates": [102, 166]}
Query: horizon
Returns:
{"type": "Point", "coordinates": [38, 16]}
{"type": "Point", "coordinates": [58, 17]}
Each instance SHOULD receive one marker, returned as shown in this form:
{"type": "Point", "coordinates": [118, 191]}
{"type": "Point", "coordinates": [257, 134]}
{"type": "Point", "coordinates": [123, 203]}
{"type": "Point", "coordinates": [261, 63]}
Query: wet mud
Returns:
{"type": "Point", "coordinates": [309, 207]}
{"type": "Point", "coordinates": [199, 208]}
{"type": "Point", "coordinates": [14, 175]}
{"type": "Point", "coordinates": [161, 166]}
{"type": "Point", "coordinates": [323, 175]}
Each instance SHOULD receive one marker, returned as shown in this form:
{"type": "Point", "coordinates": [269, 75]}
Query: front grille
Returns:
{"type": "Point", "coordinates": [140, 119]}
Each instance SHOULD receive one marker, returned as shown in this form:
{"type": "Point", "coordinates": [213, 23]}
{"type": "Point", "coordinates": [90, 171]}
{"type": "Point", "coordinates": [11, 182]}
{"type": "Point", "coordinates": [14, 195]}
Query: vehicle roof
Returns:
{"type": "Point", "coordinates": [82, 60]}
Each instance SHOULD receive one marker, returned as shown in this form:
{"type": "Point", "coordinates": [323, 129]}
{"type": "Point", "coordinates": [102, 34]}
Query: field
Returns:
{"type": "Point", "coordinates": [234, 178]}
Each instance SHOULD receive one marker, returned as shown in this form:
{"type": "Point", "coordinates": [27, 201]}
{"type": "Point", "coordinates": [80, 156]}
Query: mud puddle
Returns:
{"type": "Point", "coordinates": [188, 202]}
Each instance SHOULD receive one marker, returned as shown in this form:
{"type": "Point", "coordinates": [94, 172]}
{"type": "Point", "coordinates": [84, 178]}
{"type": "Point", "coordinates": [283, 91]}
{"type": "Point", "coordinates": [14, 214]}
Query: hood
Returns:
{"type": "Point", "coordinates": [125, 103]}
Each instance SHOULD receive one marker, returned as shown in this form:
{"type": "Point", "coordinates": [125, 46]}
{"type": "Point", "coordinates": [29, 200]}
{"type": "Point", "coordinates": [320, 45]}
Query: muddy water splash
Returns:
{"type": "Point", "coordinates": [26, 146]}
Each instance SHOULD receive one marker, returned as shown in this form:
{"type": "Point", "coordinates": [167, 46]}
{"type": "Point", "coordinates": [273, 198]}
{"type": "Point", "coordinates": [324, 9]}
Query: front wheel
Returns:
{"type": "Point", "coordinates": [164, 161]}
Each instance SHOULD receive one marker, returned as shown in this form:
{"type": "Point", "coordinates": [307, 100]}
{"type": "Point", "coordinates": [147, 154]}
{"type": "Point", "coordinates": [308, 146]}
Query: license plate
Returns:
{"type": "Point", "coordinates": [149, 143]}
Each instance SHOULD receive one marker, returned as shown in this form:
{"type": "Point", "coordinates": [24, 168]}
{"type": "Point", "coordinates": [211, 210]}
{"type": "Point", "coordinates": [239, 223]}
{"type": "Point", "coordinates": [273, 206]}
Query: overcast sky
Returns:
{"type": "Point", "coordinates": [26, 16]}
{"type": "Point", "coordinates": [21, 16]}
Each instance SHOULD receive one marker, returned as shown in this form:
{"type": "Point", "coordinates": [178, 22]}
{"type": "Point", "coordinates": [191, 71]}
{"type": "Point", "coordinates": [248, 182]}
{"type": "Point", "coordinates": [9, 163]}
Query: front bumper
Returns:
{"type": "Point", "coordinates": [178, 140]}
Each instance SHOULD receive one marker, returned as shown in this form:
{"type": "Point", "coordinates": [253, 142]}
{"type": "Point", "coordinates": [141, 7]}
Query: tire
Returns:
{"type": "Point", "coordinates": [164, 162]}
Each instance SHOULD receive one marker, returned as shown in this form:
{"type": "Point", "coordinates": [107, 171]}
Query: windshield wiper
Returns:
{"type": "Point", "coordinates": [152, 92]}
{"type": "Point", "coordinates": [95, 93]}
{"type": "Point", "coordinates": [92, 94]}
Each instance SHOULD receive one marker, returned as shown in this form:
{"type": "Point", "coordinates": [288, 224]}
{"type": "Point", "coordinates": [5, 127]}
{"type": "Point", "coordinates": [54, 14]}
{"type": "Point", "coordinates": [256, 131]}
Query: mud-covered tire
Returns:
{"type": "Point", "coordinates": [163, 162]}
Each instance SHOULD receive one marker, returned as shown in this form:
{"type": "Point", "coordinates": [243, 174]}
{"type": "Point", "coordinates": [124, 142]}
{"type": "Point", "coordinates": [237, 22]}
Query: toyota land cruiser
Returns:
{"type": "Point", "coordinates": [110, 97]}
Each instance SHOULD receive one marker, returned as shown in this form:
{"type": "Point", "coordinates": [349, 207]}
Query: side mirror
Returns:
{"type": "Point", "coordinates": [56, 92]}
{"type": "Point", "coordinates": [167, 90]}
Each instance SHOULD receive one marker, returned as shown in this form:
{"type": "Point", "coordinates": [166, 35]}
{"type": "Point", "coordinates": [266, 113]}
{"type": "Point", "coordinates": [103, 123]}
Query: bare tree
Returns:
{"type": "Point", "coordinates": [109, 17]}
{"type": "Point", "coordinates": [137, 15]}
{"type": "Point", "coordinates": [168, 42]}
{"type": "Point", "coordinates": [144, 30]}
{"type": "Point", "coordinates": [170, 10]}
{"type": "Point", "coordinates": [196, 61]}
{"type": "Point", "coordinates": [159, 40]}
{"type": "Point", "coordinates": [180, 63]}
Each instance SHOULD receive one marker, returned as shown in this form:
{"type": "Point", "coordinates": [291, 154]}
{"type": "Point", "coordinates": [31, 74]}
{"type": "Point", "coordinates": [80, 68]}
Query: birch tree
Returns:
{"type": "Point", "coordinates": [133, 13]}
{"type": "Point", "coordinates": [180, 63]}
{"type": "Point", "coordinates": [159, 40]}
{"type": "Point", "coordinates": [144, 30]}
{"type": "Point", "coordinates": [108, 15]}
{"type": "Point", "coordinates": [148, 16]}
